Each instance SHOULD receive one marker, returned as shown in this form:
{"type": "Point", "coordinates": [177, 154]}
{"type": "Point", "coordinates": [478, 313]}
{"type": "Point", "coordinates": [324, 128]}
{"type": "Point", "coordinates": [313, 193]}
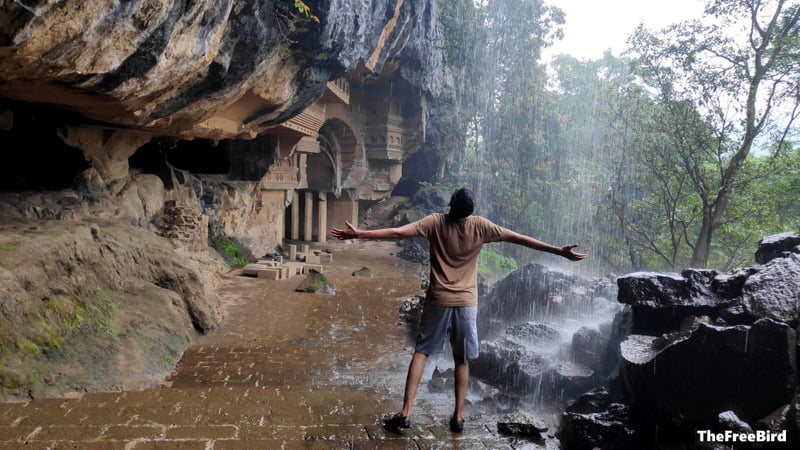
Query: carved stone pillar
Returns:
{"type": "Point", "coordinates": [308, 220]}
{"type": "Point", "coordinates": [295, 216]}
{"type": "Point", "coordinates": [322, 217]}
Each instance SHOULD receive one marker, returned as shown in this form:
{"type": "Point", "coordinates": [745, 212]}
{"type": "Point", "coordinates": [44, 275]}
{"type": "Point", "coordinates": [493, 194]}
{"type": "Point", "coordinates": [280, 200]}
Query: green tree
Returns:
{"type": "Point", "coordinates": [765, 200]}
{"type": "Point", "coordinates": [722, 94]}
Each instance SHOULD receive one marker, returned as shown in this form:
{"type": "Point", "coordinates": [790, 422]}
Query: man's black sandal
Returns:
{"type": "Point", "coordinates": [396, 422]}
{"type": "Point", "coordinates": [456, 426]}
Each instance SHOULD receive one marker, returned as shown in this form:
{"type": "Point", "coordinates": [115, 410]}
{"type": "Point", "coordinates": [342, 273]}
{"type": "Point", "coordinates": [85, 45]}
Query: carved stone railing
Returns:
{"type": "Point", "coordinates": [337, 91]}
{"type": "Point", "coordinates": [282, 175]}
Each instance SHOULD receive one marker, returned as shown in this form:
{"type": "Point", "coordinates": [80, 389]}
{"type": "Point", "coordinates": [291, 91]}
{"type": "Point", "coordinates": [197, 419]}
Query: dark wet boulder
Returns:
{"type": "Point", "coordinates": [597, 420]}
{"type": "Point", "coordinates": [411, 310]}
{"type": "Point", "coordinates": [316, 283]}
{"type": "Point", "coordinates": [773, 289]}
{"type": "Point", "coordinates": [619, 329]}
{"type": "Point", "coordinates": [699, 372]}
{"type": "Point", "coordinates": [777, 245]}
{"type": "Point", "coordinates": [588, 347]}
{"type": "Point", "coordinates": [415, 250]}
{"type": "Point", "coordinates": [541, 294]}
{"type": "Point", "coordinates": [605, 287]}
{"type": "Point", "coordinates": [410, 315]}
{"type": "Point", "coordinates": [424, 202]}
{"type": "Point", "coordinates": [566, 381]}
{"type": "Point", "coordinates": [431, 199]}
{"type": "Point", "coordinates": [698, 343]}
{"type": "Point", "coordinates": [533, 333]}
{"type": "Point", "coordinates": [777, 420]}
{"type": "Point", "coordinates": [783, 420]}
{"type": "Point", "coordinates": [793, 419]}
{"type": "Point", "coordinates": [484, 391]}
{"type": "Point", "coordinates": [520, 423]}
{"type": "Point", "coordinates": [592, 401]}
{"type": "Point", "coordinates": [523, 370]}
{"type": "Point", "coordinates": [729, 285]}
{"type": "Point", "coordinates": [660, 301]}
{"type": "Point", "coordinates": [443, 381]}
{"type": "Point", "coordinates": [735, 314]}
{"type": "Point", "coordinates": [656, 290]}
{"type": "Point", "coordinates": [730, 421]}
{"type": "Point", "coordinates": [528, 321]}
{"type": "Point", "coordinates": [509, 365]}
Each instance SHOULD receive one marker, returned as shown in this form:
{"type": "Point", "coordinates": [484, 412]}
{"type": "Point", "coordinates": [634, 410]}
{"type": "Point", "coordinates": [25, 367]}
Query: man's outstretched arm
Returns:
{"type": "Point", "coordinates": [566, 251]}
{"type": "Point", "coordinates": [352, 232]}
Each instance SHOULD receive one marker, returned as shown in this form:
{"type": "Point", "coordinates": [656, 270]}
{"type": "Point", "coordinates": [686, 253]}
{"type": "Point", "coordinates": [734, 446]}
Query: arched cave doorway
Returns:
{"type": "Point", "coordinates": [328, 173]}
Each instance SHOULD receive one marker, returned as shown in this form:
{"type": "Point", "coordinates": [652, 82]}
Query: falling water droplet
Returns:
{"type": "Point", "coordinates": [746, 338]}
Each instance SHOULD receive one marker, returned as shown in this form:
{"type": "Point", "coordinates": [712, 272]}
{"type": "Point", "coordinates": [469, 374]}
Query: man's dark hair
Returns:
{"type": "Point", "coordinates": [462, 204]}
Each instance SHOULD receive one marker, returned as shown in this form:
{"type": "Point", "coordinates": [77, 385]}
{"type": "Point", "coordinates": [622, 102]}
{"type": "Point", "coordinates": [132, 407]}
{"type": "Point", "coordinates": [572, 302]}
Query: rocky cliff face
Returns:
{"type": "Point", "coordinates": [241, 90]}
{"type": "Point", "coordinates": [162, 119]}
{"type": "Point", "coordinates": [190, 68]}
{"type": "Point", "coordinates": [96, 305]}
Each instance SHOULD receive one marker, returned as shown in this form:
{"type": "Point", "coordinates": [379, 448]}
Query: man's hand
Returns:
{"type": "Point", "coordinates": [350, 232]}
{"type": "Point", "coordinates": [568, 252]}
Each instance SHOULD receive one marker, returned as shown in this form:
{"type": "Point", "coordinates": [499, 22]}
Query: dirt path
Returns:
{"type": "Point", "coordinates": [286, 370]}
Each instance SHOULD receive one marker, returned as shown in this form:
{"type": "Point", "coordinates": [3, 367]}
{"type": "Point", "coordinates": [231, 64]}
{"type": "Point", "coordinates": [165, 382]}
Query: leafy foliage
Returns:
{"type": "Point", "coordinates": [228, 250]}
{"type": "Point", "coordinates": [722, 94]}
{"type": "Point", "coordinates": [304, 10]}
{"type": "Point", "coordinates": [490, 262]}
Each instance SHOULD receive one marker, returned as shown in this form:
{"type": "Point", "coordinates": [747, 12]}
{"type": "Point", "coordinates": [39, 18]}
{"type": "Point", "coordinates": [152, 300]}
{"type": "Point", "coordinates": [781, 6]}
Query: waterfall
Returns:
{"type": "Point", "coordinates": [545, 336]}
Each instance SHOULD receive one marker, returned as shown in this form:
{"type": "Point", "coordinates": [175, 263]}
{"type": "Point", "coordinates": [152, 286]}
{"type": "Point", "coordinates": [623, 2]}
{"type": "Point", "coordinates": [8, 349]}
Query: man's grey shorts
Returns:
{"type": "Point", "coordinates": [459, 322]}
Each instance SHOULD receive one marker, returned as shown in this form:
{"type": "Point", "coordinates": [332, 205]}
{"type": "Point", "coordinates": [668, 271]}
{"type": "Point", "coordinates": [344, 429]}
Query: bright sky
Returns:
{"type": "Point", "coordinates": [593, 26]}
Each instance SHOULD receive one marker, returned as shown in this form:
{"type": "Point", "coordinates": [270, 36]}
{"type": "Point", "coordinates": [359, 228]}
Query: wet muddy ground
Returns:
{"type": "Point", "coordinates": [285, 370]}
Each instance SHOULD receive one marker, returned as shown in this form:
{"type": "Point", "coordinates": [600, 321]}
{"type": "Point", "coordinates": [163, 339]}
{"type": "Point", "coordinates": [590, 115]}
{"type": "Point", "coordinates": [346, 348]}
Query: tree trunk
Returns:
{"type": "Point", "coordinates": [702, 245]}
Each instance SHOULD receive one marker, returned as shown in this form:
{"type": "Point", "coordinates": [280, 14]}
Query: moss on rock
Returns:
{"type": "Point", "coordinates": [316, 283]}
{"type": "Point", "coordinates": [94, 306]}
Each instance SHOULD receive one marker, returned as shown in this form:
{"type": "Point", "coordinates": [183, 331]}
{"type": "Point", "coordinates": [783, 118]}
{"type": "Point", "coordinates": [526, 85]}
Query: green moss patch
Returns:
{"type": "Point", "coordinates": [231, 253]}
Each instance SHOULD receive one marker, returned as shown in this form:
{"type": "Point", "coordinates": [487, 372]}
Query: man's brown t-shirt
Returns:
{"type": "Point", "coordinates": [454, 256]}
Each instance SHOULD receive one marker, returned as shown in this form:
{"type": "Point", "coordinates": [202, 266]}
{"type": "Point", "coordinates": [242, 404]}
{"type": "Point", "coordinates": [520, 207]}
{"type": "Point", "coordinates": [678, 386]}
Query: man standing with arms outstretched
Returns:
{"type": "Point", "coordinates": [451, 301]}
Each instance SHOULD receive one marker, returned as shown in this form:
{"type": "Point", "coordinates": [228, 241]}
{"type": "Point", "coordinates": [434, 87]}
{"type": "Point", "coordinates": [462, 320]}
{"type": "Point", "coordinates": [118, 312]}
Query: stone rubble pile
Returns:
{"type": "Point", "coordinates": [294, 262]}
{"type": "Point", "coordinates": [184, 226]}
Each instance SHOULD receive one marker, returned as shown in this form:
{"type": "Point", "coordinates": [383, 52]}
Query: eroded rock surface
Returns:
{"type": "Point", "coordinates": [184, 68]}
{"type": "Point", "coordinates": [92, 305]}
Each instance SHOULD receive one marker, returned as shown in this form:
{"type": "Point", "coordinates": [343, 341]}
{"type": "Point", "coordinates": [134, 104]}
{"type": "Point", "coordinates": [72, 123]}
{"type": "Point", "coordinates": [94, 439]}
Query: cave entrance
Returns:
{"type": "Point", "coordinates": [329, 199]}
{"type": "Point", "coordinates": [34, 157]}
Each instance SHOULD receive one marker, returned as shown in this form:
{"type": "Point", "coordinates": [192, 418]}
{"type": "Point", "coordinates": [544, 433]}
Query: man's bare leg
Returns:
{"type": "Point", "coordinates": [461, 375]}
{"type": "Point", "coordinates": [415, 369]}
